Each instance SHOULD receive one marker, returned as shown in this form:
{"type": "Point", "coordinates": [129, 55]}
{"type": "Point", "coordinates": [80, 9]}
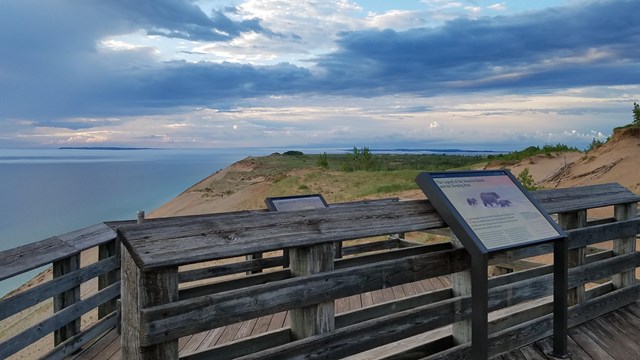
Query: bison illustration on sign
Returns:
{"type": "Point", "coordinates": [489, 199]}
{"type": "Point", "coordinates": [504, 203]}
{"type": "Point", "coordinates": [472, 201]}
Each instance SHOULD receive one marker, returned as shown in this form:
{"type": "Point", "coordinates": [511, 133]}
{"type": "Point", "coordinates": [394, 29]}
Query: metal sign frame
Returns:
{"type": "Point", "coordinates": [480, 257]}
{"type": "Point", "coordinates": [274, 202]}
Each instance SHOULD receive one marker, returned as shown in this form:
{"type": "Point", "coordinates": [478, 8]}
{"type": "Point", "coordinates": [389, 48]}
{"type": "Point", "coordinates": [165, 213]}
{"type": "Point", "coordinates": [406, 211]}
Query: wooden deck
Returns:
{"type": "Point", "coordinates": [612, 336]}
{"type": "Point", "coordinates": [107, 347]}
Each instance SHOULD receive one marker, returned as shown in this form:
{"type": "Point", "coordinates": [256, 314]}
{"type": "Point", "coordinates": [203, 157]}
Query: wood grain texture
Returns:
{"type": "Point", "coordinates": [35, 295]}
{"type": "Point", "coordinates": [316, 318]}
{"type": "Point", "coordinates": [625, 245]}
{"type": "Point", "coordinates": [187, 240]}
{"type": "Point", "coordinates": [577, 256]}
{"type": "Point", "coordinates": [199, 314]}
{"type": "Point", "coordinates": [66, 298]}
{"type": "Point", "coordinates": [64, 316]}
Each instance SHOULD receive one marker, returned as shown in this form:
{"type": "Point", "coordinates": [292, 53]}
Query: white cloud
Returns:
{"type": "Point", "coordinates": [498, 7]}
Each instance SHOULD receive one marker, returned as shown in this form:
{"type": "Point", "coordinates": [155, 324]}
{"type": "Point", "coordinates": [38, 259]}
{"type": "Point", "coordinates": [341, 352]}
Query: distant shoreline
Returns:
{"type": "Point", "coordinates": [103, 148]}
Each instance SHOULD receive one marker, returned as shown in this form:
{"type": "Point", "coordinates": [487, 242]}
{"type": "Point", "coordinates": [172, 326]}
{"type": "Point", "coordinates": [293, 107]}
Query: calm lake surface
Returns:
{"type": "Point", "coordinates": [48, 192]}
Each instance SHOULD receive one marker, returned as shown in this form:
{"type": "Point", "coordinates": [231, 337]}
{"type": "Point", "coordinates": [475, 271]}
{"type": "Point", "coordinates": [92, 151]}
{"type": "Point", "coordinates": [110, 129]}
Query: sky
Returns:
{"type": "Point", "coordinates": [273, 73]}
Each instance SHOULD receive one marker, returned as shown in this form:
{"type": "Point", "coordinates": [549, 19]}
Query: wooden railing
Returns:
{"type": "Point", "coordinates": [157, 310]}
{"type": "Point", "coordinates": [63, 253]}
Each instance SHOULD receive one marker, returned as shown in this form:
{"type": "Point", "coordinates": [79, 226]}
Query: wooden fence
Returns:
{"type": "Point", "coordinates": [157, 310]}
{"type": "Point", "coordinates": [63, 254]}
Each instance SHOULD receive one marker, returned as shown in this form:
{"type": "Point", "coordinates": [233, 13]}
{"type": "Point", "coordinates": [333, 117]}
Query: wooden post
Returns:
{"type": "Point", "coordinates": [141, 290]}
{"type": "Point", "coordinates": [577, 257]}
{"type": "Point", "coordinates": [624, 245]}
{"type": "Point", "coordinates": [112, 248]}
{"type": "Point", "coordinates": [461, 284]}
{"type": "Point", "coordinates": [66, 298]}
{"type": "Point", "coordinates": [254, 256]}
{"type": "Point", "coordinates": [140, 217]}
{"type": "Point", "coordinates": [319, 318]}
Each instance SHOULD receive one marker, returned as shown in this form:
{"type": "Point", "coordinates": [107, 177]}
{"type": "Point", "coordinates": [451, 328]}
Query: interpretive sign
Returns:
{"type": "Point", "coordinates": [491, 206]}
{"type": "Point", "coordinates": [296, 202]}
{"type": "Point", "coordinates": [490, 211]}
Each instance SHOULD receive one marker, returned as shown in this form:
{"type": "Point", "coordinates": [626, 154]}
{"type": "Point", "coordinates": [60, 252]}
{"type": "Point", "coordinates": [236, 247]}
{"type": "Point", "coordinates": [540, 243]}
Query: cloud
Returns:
{"type": "Point", "coordinates": [67, 61]}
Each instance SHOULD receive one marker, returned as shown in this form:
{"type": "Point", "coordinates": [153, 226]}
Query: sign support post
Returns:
{"type": "Point", "coordinates": [560, 284]}
{"type": "Point", "coordinates": [490, 211]}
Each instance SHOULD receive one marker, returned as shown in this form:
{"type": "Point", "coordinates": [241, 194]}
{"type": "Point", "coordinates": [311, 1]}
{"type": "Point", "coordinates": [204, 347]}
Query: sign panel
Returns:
{"type": "Point", "coordinates": [296, 202]}
{"type": "Point", "coordinates": [492, 205]}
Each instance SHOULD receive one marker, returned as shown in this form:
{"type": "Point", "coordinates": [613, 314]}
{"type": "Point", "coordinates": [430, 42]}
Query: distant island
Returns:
{"type": "Point", "coordinates": [100, 148]}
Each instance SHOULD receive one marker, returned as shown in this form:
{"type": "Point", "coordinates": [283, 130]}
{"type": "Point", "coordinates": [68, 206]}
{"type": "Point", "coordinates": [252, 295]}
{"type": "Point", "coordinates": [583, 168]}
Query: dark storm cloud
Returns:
{"type": "Point", "coordinates": [51, 66]}
{"type": "Point", "coordinates": [549, 48]}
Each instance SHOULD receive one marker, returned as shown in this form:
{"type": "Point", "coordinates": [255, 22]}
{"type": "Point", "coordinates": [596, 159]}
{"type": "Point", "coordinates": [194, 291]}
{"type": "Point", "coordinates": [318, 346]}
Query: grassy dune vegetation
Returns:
{"type": "Point", "coordinates": [338, 181]}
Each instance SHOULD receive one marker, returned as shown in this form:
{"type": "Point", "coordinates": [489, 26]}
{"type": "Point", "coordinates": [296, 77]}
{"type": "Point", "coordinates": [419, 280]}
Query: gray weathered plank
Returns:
{"type": "Point", "coordinates": [193, 315]}
{"type": "Point", "coordinates": [35, 295]}
{"type": "Point", "coordinates": [12, 345]}
{"type": "Point", "coordinates": [31, 256]}
{"type": "Point", "coordinates": [74, 343]}
{"type": "Point", "coordinates": [88, 237]}
{"type": "Point", "coordinates": [188, 240]}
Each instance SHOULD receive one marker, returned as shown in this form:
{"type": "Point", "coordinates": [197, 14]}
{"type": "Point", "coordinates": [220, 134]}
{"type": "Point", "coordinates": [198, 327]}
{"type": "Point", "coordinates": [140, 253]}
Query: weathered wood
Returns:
{"type": "Point", "coordinates": [386, 308]}
{"type": "Point", "coordinates": [32, 256]}
{"type": "Point", "coordinates": [542, 327]}
{"type": "Point", "coordinates": [579, 198]}
{"type": "Point", "coordinates": [29, 336]}
{"type": "Point", "coordinates": [250, 258]}
{"type": "Point", "coordinates": [370, 246]}
{"type": "Point", "coordinates": [228, 269]}
{"type": "Point", "coordinates": [461, 285]}
{"type": "Point", "coordinates": [105, 251]}
{"type": "Point", "coordinates": [368, 334]}
{"type": "Point", "coordinates": [243, 347]}
{"type": "Point", "coordinates": [199, 314]}
{"type": "Point", "coordinates": [88, 237]}
{"type": "Point", "coordinates": [390, 255]}
{"type": "Point", "coordinates": [227, 236]}
{"type": "Point", "coordinates": [316, 318]}
{"type": "Point", "coordinates": [577, 238]}
{"type": "Point", "coordinates": [577, 256]}
{"type": "Point", "coordinates": [74, 343]}
{"type": "Point", "coordinates": [195, 239]}
{"type": "Point", "coordinates": [625, 245]}
{"type": "Point", "coordinates": [14, 304]}
{"type": "Point", "coordinates": [244, 282]}
{"type": "Point", "coordinates": [141, 290]}
{"type": "Point", "coordinates": [66, 298]}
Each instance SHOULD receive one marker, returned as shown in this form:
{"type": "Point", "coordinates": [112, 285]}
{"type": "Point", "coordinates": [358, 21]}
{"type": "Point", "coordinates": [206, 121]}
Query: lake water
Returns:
{"type": "Point", "coordinates": [48, 192]}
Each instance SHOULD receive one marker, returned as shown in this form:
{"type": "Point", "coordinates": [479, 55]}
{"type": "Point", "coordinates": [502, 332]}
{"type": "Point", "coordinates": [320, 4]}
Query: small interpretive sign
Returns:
{"type": "Point", "coordinates": [296, 202]}
{"type": "Point", "coordinates": [492, 205]}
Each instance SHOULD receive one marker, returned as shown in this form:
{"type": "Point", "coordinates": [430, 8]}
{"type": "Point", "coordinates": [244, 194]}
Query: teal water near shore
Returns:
{"type": "Point", "coordinates": [48, 192]}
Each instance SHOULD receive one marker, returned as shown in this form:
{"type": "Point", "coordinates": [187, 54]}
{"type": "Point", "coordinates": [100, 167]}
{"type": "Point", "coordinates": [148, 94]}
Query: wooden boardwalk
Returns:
{"type": "Point", "coordinates": [612, 336]}
{"type": "Point", "coordinates": [107, 347]}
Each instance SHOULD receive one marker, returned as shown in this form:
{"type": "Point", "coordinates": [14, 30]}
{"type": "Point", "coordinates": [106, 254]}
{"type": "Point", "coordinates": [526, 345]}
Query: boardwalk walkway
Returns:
{"type": "Point", "coordinates": [107, 347]}
{"type": "Point", "coordinates": [613, 336]}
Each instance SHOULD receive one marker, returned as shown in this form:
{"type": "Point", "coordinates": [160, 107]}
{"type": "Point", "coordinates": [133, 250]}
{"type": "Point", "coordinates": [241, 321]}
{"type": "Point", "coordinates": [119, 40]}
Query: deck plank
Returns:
{"type": "Point", "coordinates": [587, 344]}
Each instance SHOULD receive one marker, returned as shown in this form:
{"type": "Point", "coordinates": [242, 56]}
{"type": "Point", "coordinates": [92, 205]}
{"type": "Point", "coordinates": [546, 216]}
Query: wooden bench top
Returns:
{"type": "Point", "coordinates": [184, 240]}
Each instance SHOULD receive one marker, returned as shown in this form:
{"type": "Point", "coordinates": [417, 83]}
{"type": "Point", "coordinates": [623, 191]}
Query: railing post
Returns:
{"type": "Point", "coordinates": [624, 245]}
{"type": "Point", "coordinates": [66, 298]}
{"type": "Point", "coordinates": [460, 286]}
{"type": "Point", "coordinates": [112, 248]}
{"type": "Point", "coordinates": [319, 318]}
{"type": "Point", "coordinates": [140, 290]}
{"type": "Point", "coordinates": [577, 257]}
